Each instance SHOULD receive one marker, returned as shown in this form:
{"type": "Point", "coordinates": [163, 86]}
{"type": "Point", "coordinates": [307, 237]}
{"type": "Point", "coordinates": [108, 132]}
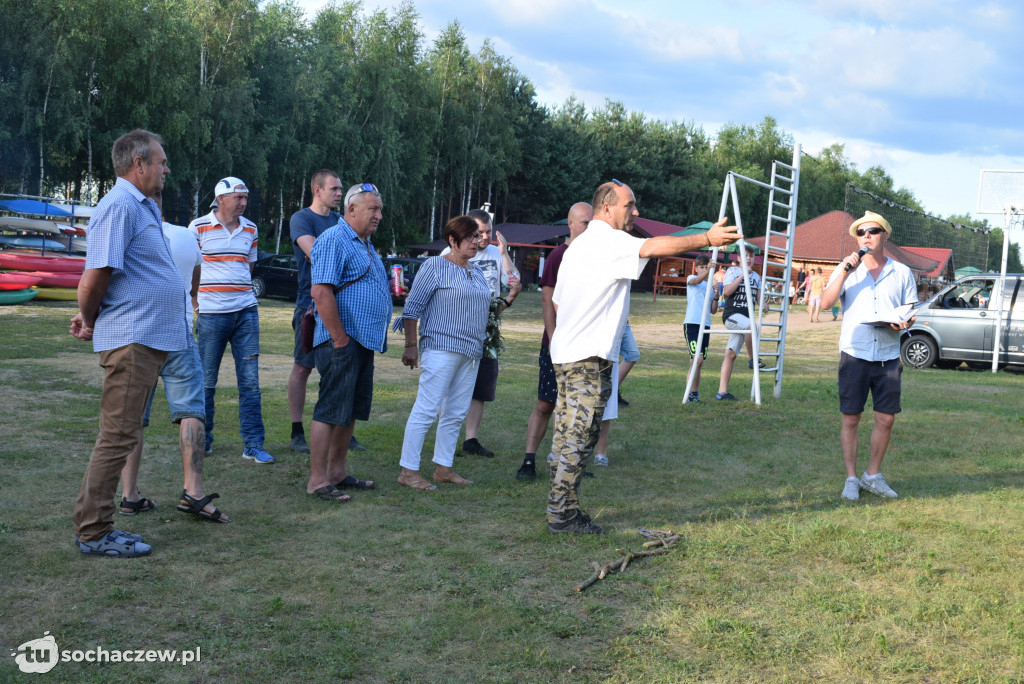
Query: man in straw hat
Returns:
{"type": "Point", "coordinates": [869, 286]}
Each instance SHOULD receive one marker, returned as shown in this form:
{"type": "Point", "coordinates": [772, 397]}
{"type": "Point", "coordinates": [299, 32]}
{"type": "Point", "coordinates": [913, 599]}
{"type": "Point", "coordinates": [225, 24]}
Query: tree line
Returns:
{"type": "Point", "coordinates": [257, 90]}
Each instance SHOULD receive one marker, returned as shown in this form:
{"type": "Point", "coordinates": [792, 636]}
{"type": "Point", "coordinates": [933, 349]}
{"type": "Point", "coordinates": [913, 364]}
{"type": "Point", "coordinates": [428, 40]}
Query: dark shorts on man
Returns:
{"type": "Point", "coordinates": [346, 383]}
{"type": "Point", "coordinates": [302, 358]}
{"type": "Point", "coordinates": [486, 380]}
{"type": "Point", "coordinates": [692, 332]}
{"type": "Point", "coordinates": [547, 383]}
{"type": "Point", "coordinates": [858, 377]}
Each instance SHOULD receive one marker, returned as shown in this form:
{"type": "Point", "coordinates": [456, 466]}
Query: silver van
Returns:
{"type": "Point", "coordinates": [958, 324]}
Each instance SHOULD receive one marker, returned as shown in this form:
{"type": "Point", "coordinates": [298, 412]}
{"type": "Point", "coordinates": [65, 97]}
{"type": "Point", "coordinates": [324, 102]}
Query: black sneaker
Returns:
{"type": "Point", "coordinates": [580, 524]}
{"type": "Point", "coordinates": [527, 471]}
{"type": "Point", "coordinates": [693, 398]}
{"type": "Point", "coordinates": [472, 446]}
{"type": "Point", "coordinates": [354, 445]}
{"type": "Point", "coordinates": [299, 444]}
{"type": "Point", "coordinates": [622, 402]}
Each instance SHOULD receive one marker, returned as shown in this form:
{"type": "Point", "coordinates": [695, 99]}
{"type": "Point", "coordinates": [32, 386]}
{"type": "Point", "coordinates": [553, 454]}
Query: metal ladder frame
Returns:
{"type": "Point", "coordinates": [781, 224]}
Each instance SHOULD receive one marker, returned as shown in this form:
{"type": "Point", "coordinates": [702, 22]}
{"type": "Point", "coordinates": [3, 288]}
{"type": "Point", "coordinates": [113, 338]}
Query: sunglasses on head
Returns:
{"type": "Point", "coordinates": [861, 232]}
{"type": "Point", "coordinates": [617, 182]}
{"type": "Point", "coordinates": [368, 187]}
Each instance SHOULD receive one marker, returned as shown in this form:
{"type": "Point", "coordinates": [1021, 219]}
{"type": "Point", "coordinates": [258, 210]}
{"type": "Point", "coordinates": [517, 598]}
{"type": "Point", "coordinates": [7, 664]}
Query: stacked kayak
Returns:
{"type": "Point", "coordinates": [52, 276]}
{"type": "Point", "coordinates": [17, 296]}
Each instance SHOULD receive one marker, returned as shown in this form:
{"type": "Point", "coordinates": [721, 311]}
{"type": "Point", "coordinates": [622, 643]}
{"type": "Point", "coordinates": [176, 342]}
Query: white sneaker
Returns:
{"type": "Point", "coordinates": [600, 460]}
{"type": "Point", "coordinates": [877, 485]}
{"type": "Point", "coordinates": [851, 490]}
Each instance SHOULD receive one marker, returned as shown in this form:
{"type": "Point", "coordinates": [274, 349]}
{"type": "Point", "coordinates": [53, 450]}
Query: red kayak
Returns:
{"type": "Point", "coordinates": [49, 279]}
{"type": "Point", "coordinates": [18, 281]}
{"type": "Point", "coordinates": [27, 261]}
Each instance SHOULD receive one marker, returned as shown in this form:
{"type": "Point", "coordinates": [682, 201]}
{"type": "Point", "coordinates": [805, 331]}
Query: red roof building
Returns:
{"type": "Point", "coordinates": [824, 241]}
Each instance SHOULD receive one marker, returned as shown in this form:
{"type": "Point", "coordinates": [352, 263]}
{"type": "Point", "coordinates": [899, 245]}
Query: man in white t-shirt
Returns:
{"type": "Point", "coordinates": [592, 301]}
{"type": "Point", "coordinates": [496, 266]}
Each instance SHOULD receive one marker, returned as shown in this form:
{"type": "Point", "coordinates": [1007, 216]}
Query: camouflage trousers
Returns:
{"type": "Point", "coordinates": [584, 389]}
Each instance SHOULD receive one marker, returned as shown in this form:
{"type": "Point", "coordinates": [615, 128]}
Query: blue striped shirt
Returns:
{"type": "Point", "coordinates": [125, 234]}
{"type": "Point", "coordinates": [340, 256]}
{"type": "Point", "coordinates": [452, 304]}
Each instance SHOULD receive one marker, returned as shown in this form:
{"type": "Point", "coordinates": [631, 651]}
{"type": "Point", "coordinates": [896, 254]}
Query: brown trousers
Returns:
{"type": "Point", "coordinates": [131, 374]}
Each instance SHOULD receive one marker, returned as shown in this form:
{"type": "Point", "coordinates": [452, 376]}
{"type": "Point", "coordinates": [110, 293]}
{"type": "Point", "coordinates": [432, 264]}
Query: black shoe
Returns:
{"type": "Point", "coordinates": [527, 471]}
{"type": "Point", "coordinates": [693, 398]}
{"type": "Point", "coordinates": [622, 402]}
{"type": "Point", "coordinates": [472, 446]}
{"type": "Point", "coordinates": [299, 444]}
{"type": "Point", "coordinates": [354, 445]}
{"type": "Point", "coordinates": [580, 524]}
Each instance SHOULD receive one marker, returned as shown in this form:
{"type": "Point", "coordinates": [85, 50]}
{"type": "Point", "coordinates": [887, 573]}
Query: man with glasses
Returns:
{"type": "Point", "coordinates": [869, 284]}
{"type": "Point", "coordinates": [496, 266]}
{"type": "Point", "coordinates": [592, 300]}
{"type": "Point", "coordinates": [353, 304]}
{"type": "Point", "coordinates": [228, 312]}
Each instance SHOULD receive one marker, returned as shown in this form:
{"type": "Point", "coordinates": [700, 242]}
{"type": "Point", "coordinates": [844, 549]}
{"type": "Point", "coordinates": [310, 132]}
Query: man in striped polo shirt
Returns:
{"type": "Point", "coordinates": [228, 312]}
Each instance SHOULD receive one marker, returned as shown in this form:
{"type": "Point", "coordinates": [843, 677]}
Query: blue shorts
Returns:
{"type": "Point", "coordinates": [182, 374]}
{"type": "Point", "coordinates": [346, 383]}
{"type": "Point", "coordinates": [630, 352]}
{"type": "Point", "coordinates": [857, 377]}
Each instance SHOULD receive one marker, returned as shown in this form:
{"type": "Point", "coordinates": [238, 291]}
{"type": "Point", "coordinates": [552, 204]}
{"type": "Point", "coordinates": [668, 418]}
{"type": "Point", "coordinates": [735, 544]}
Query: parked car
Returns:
{"type": "Point", "coordinates": [410, 267]}
{"type": "Point", "coordinates": [958, 324]}
{"type": "Point", "coordinates": [276, 276]}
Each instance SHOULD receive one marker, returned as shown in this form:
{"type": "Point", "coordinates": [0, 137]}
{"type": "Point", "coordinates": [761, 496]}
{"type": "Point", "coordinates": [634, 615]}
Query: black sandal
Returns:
{"type": "Point", "coordinates": [195, 507]}
{"type": "Point", "coordinates": [133, 507]}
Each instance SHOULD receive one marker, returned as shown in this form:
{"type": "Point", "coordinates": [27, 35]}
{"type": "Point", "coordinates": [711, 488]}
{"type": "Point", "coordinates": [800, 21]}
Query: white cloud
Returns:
{"type": "Point", "coordinates": [935, 63]}
{"type": "Point", "coordinates": [537, 14]}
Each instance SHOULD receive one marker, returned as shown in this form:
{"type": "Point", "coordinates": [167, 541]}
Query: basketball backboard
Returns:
{"type": "Point", "coordinates": [1001, 191]}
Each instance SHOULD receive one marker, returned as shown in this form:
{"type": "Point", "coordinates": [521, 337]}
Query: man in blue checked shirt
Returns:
{"type": "Point", "coordinates": [353, 302]}
{"type": "Point", "coordinates": [124, 308]}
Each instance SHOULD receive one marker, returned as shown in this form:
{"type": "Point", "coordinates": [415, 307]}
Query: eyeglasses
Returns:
{"type": "Point", "coordinates": [861, 232]}
{"type": "Point", "coordinates": [617, 182]}
{"type": "Point", "coordinates": [368, 187]}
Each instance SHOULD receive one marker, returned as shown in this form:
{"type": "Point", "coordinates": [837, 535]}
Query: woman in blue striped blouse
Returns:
{"type": "Point", "coordinates": [452, 300]}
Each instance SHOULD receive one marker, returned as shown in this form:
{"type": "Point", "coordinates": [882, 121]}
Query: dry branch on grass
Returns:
{"type": "Point", "coordinates": [659, 538]}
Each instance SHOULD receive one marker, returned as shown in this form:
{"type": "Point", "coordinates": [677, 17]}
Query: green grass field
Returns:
{"type": "Point", "coordinates": [776, 579]}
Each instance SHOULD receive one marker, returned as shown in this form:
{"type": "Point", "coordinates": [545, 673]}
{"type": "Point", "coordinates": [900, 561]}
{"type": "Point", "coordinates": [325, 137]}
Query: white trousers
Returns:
{"type": "Point", "coordinates": [446, 386]}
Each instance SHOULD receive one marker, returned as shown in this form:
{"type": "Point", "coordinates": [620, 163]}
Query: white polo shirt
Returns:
{"type": "Point", "coordinates": [226, 283]}
{"type": "Point", "coordinates": [592, 293]}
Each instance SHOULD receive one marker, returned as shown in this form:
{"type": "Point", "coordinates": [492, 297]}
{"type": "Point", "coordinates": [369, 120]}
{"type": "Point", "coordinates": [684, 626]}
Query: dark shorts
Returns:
{"type": "Point", "coordinates": [547, 383]}
{"type": "Point", "coordinates": [346, 383]}
{"type": "Point", "coordinates": [302, 358]}
{"type": "Point", "coordinates": [486, 380]}
{"type": "Point", "coordinates": [858, 377]}
{"type": "Point", "coordinates": [692, 332]}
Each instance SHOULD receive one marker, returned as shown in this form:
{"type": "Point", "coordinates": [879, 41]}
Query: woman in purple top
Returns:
{"type": "Point", "coordinates": [451, 298]}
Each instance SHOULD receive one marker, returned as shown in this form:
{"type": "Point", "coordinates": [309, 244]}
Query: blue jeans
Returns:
{"type": "Point", "coordinates": [242, 330]}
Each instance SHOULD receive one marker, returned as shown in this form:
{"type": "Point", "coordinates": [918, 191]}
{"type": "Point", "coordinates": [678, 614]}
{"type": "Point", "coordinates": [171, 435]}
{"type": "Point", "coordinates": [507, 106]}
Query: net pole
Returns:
{"type": "Point", "coordinates": [1002, 283]}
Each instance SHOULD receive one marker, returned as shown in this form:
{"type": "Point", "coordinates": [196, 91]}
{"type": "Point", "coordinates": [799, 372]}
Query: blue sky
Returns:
{"type": "Point", "coordinates": [931, 90]}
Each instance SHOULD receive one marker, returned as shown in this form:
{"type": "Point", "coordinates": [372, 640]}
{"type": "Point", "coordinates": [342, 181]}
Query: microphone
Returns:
{"type": "Point", "coordinates": [860, 252]}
